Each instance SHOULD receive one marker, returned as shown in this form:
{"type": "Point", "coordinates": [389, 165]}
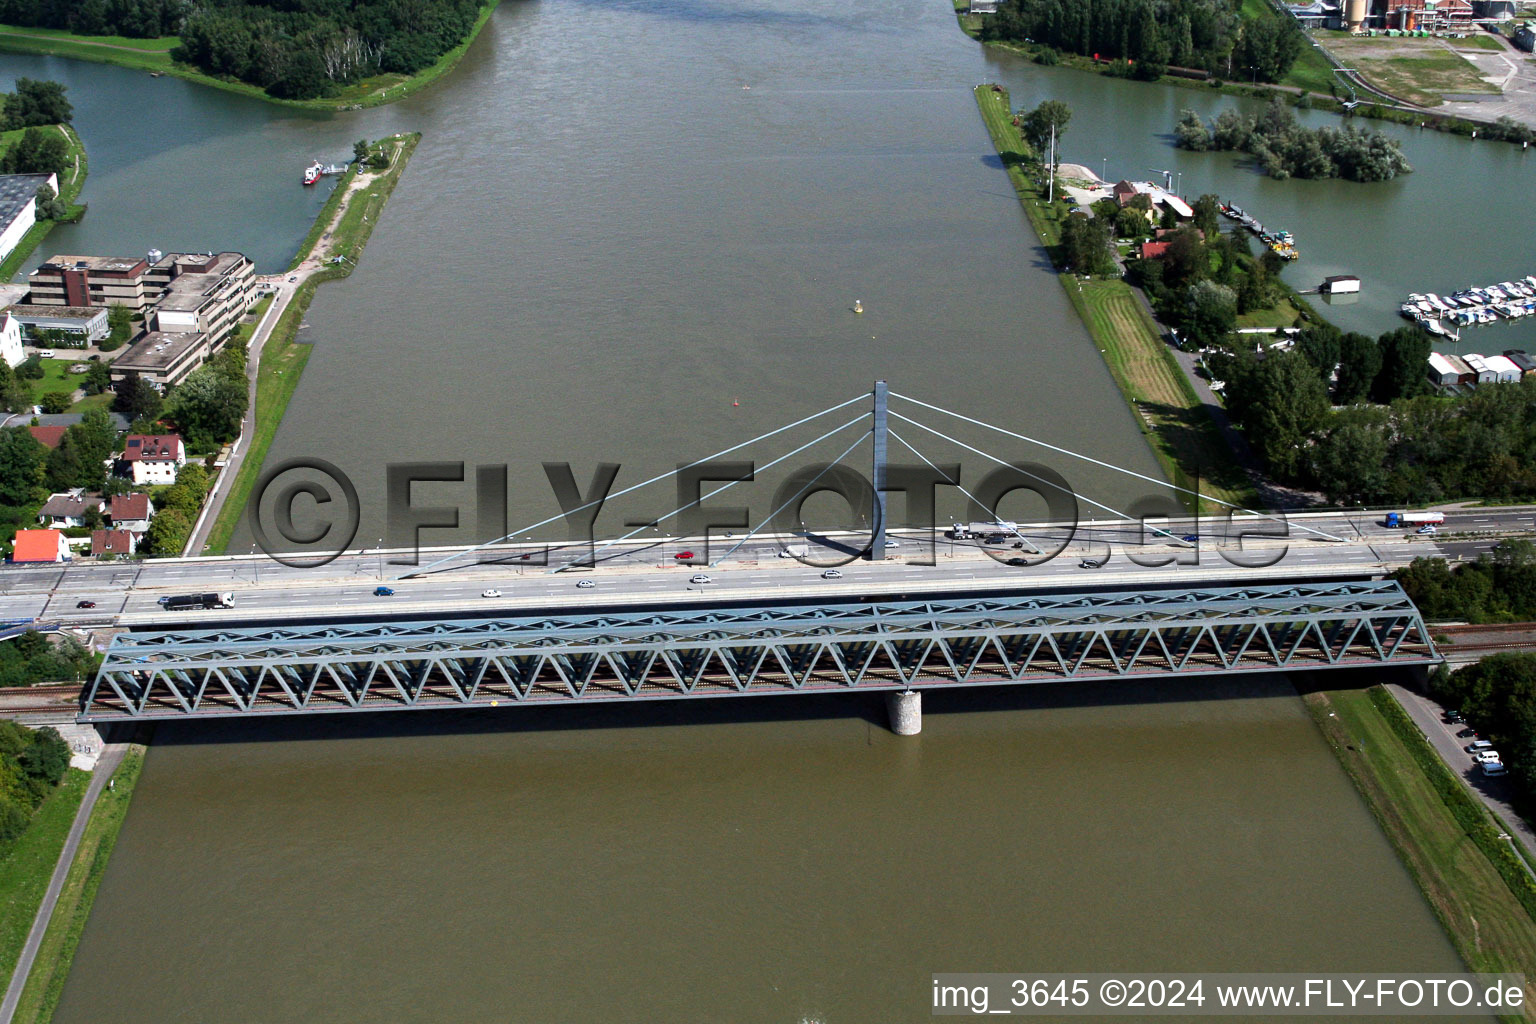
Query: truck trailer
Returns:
{"type": "Point", "coordinates": [184, 602]}
{"type": "Point", "coordinates": [1402, 519]}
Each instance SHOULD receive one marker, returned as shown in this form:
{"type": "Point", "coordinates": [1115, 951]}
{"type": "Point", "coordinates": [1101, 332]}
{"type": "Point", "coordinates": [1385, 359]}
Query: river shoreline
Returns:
{"type": "Point", "coordinates": [155, 58]}
{"type": "Point", "coordinates": [343, 228]}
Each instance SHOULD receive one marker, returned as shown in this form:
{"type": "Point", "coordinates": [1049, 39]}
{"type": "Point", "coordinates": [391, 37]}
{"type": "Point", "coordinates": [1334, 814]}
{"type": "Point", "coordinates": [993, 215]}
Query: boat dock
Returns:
{"type": "Point", "coordinates": [1281, 243]}
{"type": "Point", "coordinates": [1472, 307]}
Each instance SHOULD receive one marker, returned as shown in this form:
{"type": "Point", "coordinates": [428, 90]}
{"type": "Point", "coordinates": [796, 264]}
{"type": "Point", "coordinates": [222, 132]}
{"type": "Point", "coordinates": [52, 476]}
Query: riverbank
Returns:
{"type": "Point", "coordinates": [1177, 427]}
{"type": "Point", "coordinates": [70, 185]}
{"type": "Point", "coordinates": [1311, 82]}
{"type": "Point", "coordinates": [27, 864]}
{"type": "Point", "coordinates": [329, 253]}
{"type": "Point", "coordinates": [1445, 839]}
{"type": "Point", "coordinates": [57, 951]}
{"type": "Point", "coordinates": [154, 56]}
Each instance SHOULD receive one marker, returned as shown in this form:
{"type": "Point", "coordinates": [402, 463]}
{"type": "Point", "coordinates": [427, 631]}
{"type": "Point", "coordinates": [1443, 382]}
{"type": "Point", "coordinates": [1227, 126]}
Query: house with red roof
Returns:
{"type": "Point", "coordinates": [1154, 250]}
{"type": "Point", "coordinates": [37, 546]}
{"type": "Point", "coordinates": [152, 458]}
{"type": "Point", "coordinates": [48, 437]}
{"type": "Point", "coordinates": [119, 543]}
{"type": "Point", "coordinates": [130, 512]}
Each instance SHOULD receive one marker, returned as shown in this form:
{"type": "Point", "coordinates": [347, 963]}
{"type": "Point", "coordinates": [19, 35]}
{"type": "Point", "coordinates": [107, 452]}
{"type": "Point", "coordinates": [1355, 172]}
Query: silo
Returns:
{"type": "Point", "coordinates": [1354, 15]}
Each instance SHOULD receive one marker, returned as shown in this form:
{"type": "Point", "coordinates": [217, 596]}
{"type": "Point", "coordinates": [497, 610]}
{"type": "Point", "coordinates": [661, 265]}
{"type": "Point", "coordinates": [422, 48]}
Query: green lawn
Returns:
{"type": "Point", "coordinates": [56, 377]}
{"type": "Point", "coordinates": [153, 55]}
{"type": "Point", "coordinates": [1282, 314]}
{"type": "Point", "coordinates": [1489, 926]}
{"type": "Point", "coordinates": [27, 864]}
{"type": "Point", "coordinates": [57, 952]}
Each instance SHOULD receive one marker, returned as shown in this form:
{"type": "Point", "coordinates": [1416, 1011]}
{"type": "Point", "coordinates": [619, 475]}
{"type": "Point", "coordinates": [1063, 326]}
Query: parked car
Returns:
{"type": "Point", "coordinates": [1453, 716]}
{"type": "Point", "coordinates": [1478, 746]}
{"type": "Point", "coordinates": [700, 578]}
{"type": "Point", "coordinates": [383, 591]}
{"type": "Point", "coordinates": [1487, 757]}
{"type": "Point", "coordinates": [1493, 769]}
{"type": "Point", "coordinates": [585, 584]}
{"type": "Point", "coordinates": [85, 604]}
{"type": "Point", "coordinates": [1468, 733]}
{"type": "Point", "coordinates": [831, 574]}
{"type": "Point", "coordinates": [493, 592]}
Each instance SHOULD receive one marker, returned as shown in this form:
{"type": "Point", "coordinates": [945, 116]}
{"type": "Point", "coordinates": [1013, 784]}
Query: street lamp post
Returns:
{"type": "Point", "coordinates": [381, 558]}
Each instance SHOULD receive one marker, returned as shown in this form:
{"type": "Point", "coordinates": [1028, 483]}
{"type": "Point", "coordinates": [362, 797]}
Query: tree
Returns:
{"type": "Point", "coordinates": [1207, 210]}
{"type": "Point", "coordinates": [168, 533]}
{"type": "Point", "coordinates": [22, 461]}
{"type": "Point", "coordinates": [1280, 402]}
{"type": "Point", "coordinates": [1359, 363]}
{"type": "Point", "coordinates": [120, 327]}
{"type": "Point", "coordinates": [137, 398]}
{"type": "Point", "coordinates": [1404, 354]}
{"type": "Point", "coordinates": [1085, 244]}
{"type": "Point", "coordinates": [1185, 261]}
{"type": "Point", "coordinates": [49, 205]}
{"type": "Point", "coordinates": [1212, 311]}
{"type": "Point", "coordinates": [98, 377]}
{"type": "Point", "coordinates": [64, 465]}
{"type": "Point", "coordinates": [14, 393]}
{"type": "Point", "coordinates": [1350, 462]}
{"type": "Point", "coordinates": [1191, 132]}
{"type": "Point", "coordinates": [36, 103]}
{"type": "Point", "coordinates": [38, 151]}
{"type": "Point", "coordinates": [360, 150]}
{"type": "Point", "coordinates": [1038, 123]}
{"type": "Point", "coordinates": [209, 405]}
{"type": "Point", "coordinates": [55, 402]}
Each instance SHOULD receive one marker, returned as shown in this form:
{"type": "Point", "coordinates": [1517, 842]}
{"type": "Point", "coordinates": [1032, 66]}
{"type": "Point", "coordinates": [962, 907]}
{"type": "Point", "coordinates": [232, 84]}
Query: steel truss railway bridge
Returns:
{"type": "Point", "coordinates": [901, 647]}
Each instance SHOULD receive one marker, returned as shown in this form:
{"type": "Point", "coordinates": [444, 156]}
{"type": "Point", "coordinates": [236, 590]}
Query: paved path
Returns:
{"type": "Point", "coordinates": [1430, 717]}
{"type": "Point", "coordinates": [110, 759]}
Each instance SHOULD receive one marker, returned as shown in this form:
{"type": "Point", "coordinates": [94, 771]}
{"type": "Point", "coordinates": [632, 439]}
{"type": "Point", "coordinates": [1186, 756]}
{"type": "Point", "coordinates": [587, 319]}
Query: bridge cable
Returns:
{"type": "Point", "coordinates": [1108, 465]}
{"type": "Point", "coordinates": [719, 490]}
{"type": "Point", "coordinates": [1049, 483]}
{"type": "Point", "coordinates": [1034, 549]}
{"type": "Point", "coordinates": [825, 469]}
{"type": "Point", "coordinates": [635, 487]}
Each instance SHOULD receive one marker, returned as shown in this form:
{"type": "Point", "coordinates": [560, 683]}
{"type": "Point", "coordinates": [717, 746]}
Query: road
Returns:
{"type": "Point", "coordinates": [127, 593]}
{"type": "Point", "coordinates": [1495, 793]}
{"type": "Point", "coordinates": [111, 757]}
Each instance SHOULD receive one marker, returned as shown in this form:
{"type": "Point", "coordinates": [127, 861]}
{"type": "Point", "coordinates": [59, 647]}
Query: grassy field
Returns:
{"type": "Point", "coordinates": [57, 952]}
{"type": "Point", "coordinates": [1282, 314]}
{"type": "Point", "coordinates": [154, 56]}
{"type": "Point", "coordinates": [283, 359]}
{"type": "Point", "coordinates": [1414, 69]}
{"type": "Point", "coordinates": [1489, 926]}
{"type": "Point", "coordinates": [70, 184]}
{"type": "Point", "coordinates": [27, 864]}
{"type": "Point", "coordinates": [1179, 431]}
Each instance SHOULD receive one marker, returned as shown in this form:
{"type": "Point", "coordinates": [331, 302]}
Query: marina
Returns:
{"type": "Point", "coordinates": [1472, 307]}
{"type": "Point", "coordinates": [1281, 243]}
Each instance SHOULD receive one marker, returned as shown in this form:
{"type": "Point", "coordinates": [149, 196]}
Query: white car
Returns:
{"type": "Point", "coordinates": [1487, 757]}
{"type": "Point", "coordinates": [584, 584]}
{"type": "Point", "coordinates": [1427, 528]}
{"type": "Point", "coordinates": [831, 574]}
{"type": "Point", "coordinates": [700, 578]}
{"type": "Point", "coordinates": [490, 593]}
{"type": "Point", "coordinates": [1493, 768]}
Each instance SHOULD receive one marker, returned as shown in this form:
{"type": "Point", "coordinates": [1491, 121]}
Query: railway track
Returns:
{"type": "Point", "coordinates": [24, 700]}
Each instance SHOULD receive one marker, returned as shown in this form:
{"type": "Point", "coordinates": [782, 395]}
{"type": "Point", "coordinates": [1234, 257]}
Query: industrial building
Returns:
{"type": "Point", "coordinates": [83, 324]}
{"type": "Point", "coordinates": [18, 206]}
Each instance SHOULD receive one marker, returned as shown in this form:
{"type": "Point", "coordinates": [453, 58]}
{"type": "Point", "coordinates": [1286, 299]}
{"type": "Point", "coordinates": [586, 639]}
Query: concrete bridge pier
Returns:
{"type": "Point", "coordinates": [906, 711]}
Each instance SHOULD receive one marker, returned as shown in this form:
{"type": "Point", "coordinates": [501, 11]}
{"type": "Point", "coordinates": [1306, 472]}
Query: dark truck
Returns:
{"type": "Point", "coordinates": [184, 602]}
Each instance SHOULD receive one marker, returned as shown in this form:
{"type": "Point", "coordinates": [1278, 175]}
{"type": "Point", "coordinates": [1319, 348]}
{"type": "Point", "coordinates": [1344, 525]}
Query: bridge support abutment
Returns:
{"type": "Point", "coordinates": [906, 711]}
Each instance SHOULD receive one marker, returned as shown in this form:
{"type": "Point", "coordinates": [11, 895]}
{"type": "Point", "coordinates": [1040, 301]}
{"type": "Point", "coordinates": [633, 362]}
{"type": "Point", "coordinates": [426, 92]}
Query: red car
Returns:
{"type": "Point", "coordinates": [681, 555]}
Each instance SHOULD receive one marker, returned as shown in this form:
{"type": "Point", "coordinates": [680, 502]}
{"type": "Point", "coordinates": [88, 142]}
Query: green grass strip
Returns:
{"type": "Point", "coordinates": [57, 952]}
{"type": "Point", "coordinates": [27, 863]}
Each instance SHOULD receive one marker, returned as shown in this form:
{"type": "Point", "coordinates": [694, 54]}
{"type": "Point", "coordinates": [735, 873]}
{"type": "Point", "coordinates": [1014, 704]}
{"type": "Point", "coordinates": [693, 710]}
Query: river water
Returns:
{"type": "Point", "coordinates": [624, 218]}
